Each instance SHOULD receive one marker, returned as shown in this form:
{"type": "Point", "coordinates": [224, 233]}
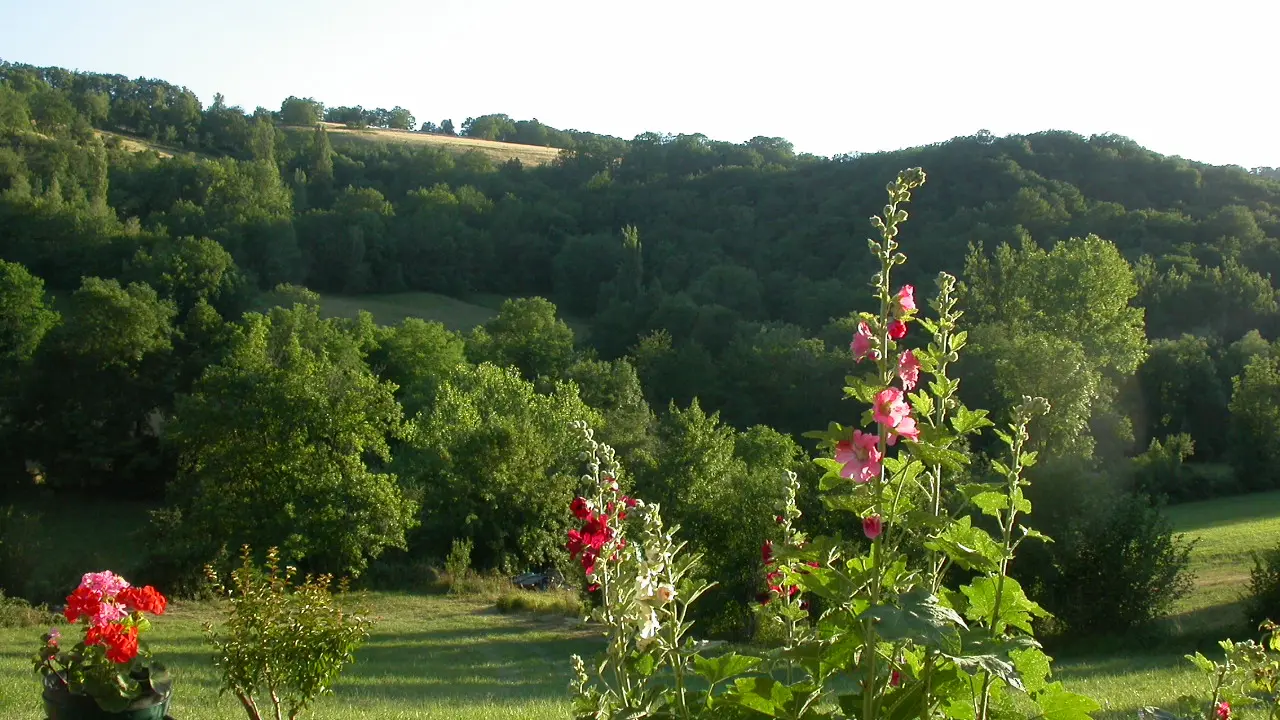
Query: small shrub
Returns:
{"type": "Point", "coordinates": [1263, 602]}
{"type": "Point", "coordinates": [16, 612]}
{"type": "Point", "coordinates": [548, 602]}
{"type": "Point", "coordinates": [458, 564]}
{"type": "Point", "coordinates": [282, 643]}
{"type": "Point", "coordinates": [1116, 564]}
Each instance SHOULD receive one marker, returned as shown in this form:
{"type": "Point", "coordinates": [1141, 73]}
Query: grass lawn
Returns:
{"type": "Point", "coordinates": [445, 657]}
{"type": "Point", "coordinates": [429, 657]}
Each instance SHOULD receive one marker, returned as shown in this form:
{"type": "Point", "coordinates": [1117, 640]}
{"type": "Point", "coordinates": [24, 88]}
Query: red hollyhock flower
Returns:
{"type": "Point", "coordinates": [82, 603]}
{"type": "Point", "coordinates": [766, 552]}
{"type": "Point", "coordinates": [897, 329]}
{"type": "Point", "coordinates": [579, 508]}
{"type": "Point", "coordinates": [628, 501]}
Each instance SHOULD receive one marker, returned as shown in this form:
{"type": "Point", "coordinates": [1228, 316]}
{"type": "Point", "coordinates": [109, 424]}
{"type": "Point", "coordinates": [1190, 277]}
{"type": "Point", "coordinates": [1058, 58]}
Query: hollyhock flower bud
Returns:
{"type": "Point", "coordinates": [1223, 709]}
{"type": "Point", "coordinates": [897, 329]}
{"type": "Point", "coordinates": [871, 526]}
{"type": "Point", "coordinates": [665, 593]}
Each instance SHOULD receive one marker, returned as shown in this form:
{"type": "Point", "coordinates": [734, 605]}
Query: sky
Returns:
{"type": "Point", "coordinates": [1181, 77]}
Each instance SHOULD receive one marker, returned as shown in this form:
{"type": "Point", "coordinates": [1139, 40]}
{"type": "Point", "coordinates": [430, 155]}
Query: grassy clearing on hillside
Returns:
{"type": "Point", "coordinates": [429, 657]}
{"type": "Point", "coordinates": [392, 309]}
{"type": "Point", "coordinates": [499, 151]}
{"type": "Point", "coordinates": [454, 314]}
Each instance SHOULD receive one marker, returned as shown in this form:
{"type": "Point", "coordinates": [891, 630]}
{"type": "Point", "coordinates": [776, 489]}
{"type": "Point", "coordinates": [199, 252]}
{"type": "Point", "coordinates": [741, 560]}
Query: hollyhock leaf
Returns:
{"type": "Point", "coordinates": [966, 421]}
{"type": "Point", "coordinates": [920, 618]}
{"type": "Point", "coordinates": [921, 403]}
{"type": "Point", "coordinates": [828, 583]}
{"type": "Point", "coordinates": [991, 503]}
{"type": "Point", "coordinates": [719, 669]}
{"type": "Point", "coordinates": [999, 467]}
{"type": "Point", "coordinates": [762, 694]}
{"type": "Point", "coordinates": [929, 325]}
{"type": "Point", "coordinates": [848, 502]}
{"type": "Point", "coordinates": [931, 455]}
{"type": "Point", "coordinates": [1033, 533]}
{"type": "Point", "coordinates": [993, 664]}
{"type": "Point", "coordinates": [1029, 459]}
{"type": "Point", "coordinates": [1033, 666]}
{"type": "Point", "coordinates": [958, 340]}
{"type": "Point", "coordinates": [1056, 703]}
{"type": "Point", "coordinates": [969, 547]}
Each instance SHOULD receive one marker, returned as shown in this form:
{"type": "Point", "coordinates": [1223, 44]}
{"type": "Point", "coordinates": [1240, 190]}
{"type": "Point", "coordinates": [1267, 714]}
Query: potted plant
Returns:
{"type": "Point", "coordinates": [108, 673]}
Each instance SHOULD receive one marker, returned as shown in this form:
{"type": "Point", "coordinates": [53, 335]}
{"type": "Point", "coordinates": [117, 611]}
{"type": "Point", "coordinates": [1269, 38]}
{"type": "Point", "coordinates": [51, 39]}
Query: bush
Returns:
{"type": "Point", "coordinates": [1263, 602]}
{"type": "Point", "coordinates": [458, 564]}
{"type": "Point", "coordinates": [1115, 563]}
{"type": "Point", "coordinates": [281, 642]}
{"type": "Point", "coordinates": [19, 554]}
{"type": "Point", "coordinates": [18, 613]}
{"type": "Point", "coordinates": [548, 602]}
{"type": "Point", "coordinates": [1162, 472]}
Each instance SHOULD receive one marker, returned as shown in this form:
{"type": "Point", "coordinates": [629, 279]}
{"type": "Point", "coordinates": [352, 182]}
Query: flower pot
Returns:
{"type": "Point", "coordinates": [61, 704]}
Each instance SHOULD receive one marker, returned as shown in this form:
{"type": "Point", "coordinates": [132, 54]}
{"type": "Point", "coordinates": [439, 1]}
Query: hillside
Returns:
{"type": "Point", "coordinates": [500, 152]}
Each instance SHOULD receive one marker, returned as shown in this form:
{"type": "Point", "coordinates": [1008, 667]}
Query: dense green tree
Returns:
{"type": "Point", "coordinates": [301, 111]}
{"type": "Point", "coordinates": [613, 388]}
{"type": "Point", "coordinates": [103, 387]}
{"type": "Point", "coordinates": [1184, 392]}
{"type": "Point", "coordinates": [1255, 423]}
{"type": "Point", "coordinates": [526, 335]}
{"type": "Point", "coordinates": [419, 357]}
{"type": "Point", "coordinates": [282, 444]}
{"type": "Point", "coordinates": [498, 463]}
{"type": "Point", "coordinates": [24, 322]}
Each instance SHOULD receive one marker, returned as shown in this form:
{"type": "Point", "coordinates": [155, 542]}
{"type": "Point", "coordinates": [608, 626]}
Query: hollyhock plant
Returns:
{"type": "Point", "coordinates": [109, 664]}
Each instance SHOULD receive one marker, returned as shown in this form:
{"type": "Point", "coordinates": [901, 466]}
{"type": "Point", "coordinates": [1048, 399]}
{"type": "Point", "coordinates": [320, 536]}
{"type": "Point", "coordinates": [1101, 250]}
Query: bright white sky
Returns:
{"type": "Point", "coordinates": [1182, 77]}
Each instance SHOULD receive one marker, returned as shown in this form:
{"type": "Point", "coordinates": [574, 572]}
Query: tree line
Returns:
{"type": "Point", "coordinates": [161, 330]}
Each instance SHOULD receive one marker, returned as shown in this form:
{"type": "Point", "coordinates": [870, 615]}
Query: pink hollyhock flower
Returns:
{"type": "Point", "coordinates": [905, 301]}
{"type": "Point", "coordinates": [859, 456]}
{"type": "Point", "coordinates": [906, 428]}
{"type": "Point", "coordinates": [909, 370]}
{"type": "Point", "coordinates": [1223, 709]}
{"type": "Point", "coordinates": [106, 583]}
{"type": "Point", "coordinates": [871, 526]}
{"type": "Point", "coordinates": [897, 329]}
{"type": "Point", "coordinates": [890, 408]}
{"type": "Point", "coordinates": [861, 345]}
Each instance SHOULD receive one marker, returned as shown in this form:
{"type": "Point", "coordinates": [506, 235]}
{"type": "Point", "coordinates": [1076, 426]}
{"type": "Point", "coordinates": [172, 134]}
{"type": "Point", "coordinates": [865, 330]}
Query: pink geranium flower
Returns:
{"type": "Point", "coordinates": [860, 457]}
{"type": "Point", "coordinates": [106, 583]}
{"type": "Point", "coordinates": [909, 370]}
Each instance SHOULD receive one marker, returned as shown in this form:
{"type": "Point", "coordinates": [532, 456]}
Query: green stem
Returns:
{"type": "Point", "coordinates": [1007, 529]}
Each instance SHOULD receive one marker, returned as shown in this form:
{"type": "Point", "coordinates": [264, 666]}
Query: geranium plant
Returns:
{"type": "Point", "coordinates": [110, 662]}
{"type": "Point", "coordinates": [896, 636]}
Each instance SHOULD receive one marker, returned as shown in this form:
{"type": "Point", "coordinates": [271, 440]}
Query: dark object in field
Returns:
{"type": "Point", "coordinates": [539, 580]}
